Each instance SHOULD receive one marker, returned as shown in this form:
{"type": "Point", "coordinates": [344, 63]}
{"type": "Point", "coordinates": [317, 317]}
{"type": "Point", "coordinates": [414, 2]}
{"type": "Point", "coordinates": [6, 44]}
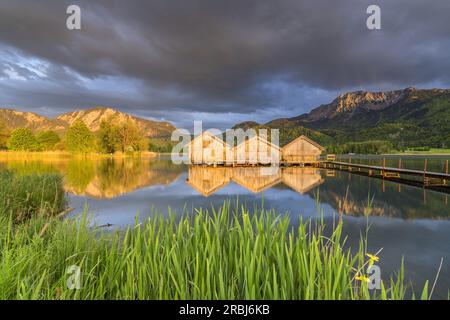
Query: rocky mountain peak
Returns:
{"type": "Point", "coordinates": [94, 117]}
{"type": "Point", "coordinates": [91, 117]}
{"type": "Point", "coordinates": [367, 100]}
{"type": "Point", "coordinates": [351, 103]}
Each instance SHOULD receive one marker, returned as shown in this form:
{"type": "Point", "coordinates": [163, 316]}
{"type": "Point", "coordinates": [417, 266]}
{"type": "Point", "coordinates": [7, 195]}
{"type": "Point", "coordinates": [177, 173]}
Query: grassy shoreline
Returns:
{"type": "Point", "coordinates": [216, 255]}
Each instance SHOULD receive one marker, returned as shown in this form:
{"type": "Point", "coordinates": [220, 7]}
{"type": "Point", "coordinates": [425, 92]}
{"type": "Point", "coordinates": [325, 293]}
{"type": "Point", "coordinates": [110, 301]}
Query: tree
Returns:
{"type": "Point", "coordinates": [79, 138]}
{"type": "Point", "coordinates": [109, 138]}
{"type": "Point", "coordinates": [130, 136]}
{"type": "Point", "coordinates": [142, 145]}
{"type": "Point", "coordinates": [4, 136]}
{"type": "Point", "coordinates": [23, 139]}
{"type": "Point", "coordinates": [48, 140]}
{"type": "Point", "coordinates": [126, 137]}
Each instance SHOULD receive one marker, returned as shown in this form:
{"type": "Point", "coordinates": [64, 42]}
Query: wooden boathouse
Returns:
{"type": "Point", "coordinates": [207, 149]}
{"type": "Point", "coordinates": [301, 150]}
{"type": "Point", "coordinates": [210, 149]}
{"type": "Point", "coordinates": [256, 150]}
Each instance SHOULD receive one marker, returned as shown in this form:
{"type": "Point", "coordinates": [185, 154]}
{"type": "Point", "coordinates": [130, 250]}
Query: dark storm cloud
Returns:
{"type": "Point", "coordinates": [237, 56]}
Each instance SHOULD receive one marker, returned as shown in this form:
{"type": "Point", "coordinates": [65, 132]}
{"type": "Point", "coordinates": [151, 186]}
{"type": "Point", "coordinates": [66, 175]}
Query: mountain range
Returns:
{"type": "Point", "coordinates": [12, 119]}
{"type": "Point", "coordinates": [408, 117]}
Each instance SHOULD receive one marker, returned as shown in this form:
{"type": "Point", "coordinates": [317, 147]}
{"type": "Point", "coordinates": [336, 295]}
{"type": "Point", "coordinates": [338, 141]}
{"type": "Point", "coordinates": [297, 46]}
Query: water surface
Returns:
{"type": "Point", "coordinates": [406, 222]}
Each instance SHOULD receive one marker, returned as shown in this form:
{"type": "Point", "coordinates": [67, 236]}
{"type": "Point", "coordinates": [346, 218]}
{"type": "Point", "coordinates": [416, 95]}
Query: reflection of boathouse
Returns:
{"type": "Point", "coordinates": [207, 180]}
{"type": "Point", "coordinates": [256, 179]}
{"type": "Point", "coordinates": [302, 179]}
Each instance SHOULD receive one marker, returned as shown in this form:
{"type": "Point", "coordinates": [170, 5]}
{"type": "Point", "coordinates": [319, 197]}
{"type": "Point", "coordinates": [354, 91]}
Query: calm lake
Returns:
{"type": "Point", "coordinates": [405, 222]}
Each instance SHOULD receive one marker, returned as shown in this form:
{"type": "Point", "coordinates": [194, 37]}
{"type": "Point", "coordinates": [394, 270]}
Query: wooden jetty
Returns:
{"type": "Point", "coordinates": [422, 178]}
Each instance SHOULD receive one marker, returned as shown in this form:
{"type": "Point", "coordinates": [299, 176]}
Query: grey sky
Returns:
{"type": "Point", "coordinates": [218, 61]}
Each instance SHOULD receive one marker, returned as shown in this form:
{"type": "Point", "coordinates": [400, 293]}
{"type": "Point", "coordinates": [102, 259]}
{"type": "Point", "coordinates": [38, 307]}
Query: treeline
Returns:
{"type": "Point", "coordinates": [124, 138]}
{"type": "Point", "coordinates": [366, 147]}
{"type": "Point", "coordinates": [110, 138]}
{"type": "Point", "coordinates": [161, 145]}
{"type": "Point", "coordinates": [23, 139]}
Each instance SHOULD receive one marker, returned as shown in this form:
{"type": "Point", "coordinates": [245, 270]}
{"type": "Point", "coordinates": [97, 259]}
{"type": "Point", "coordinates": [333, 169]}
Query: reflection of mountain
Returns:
{"type": "Point", "coordinates": [207, 180]}
{"type": "Point", "coordinates": [103, 178]}
{"type": "Point", "coordinates": [113, 177]}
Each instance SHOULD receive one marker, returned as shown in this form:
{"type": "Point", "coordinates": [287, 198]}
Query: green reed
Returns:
{"type": "Point", "coordinates": [221, 253]}
{"type": "Point", "coordinates": [26, 196]}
